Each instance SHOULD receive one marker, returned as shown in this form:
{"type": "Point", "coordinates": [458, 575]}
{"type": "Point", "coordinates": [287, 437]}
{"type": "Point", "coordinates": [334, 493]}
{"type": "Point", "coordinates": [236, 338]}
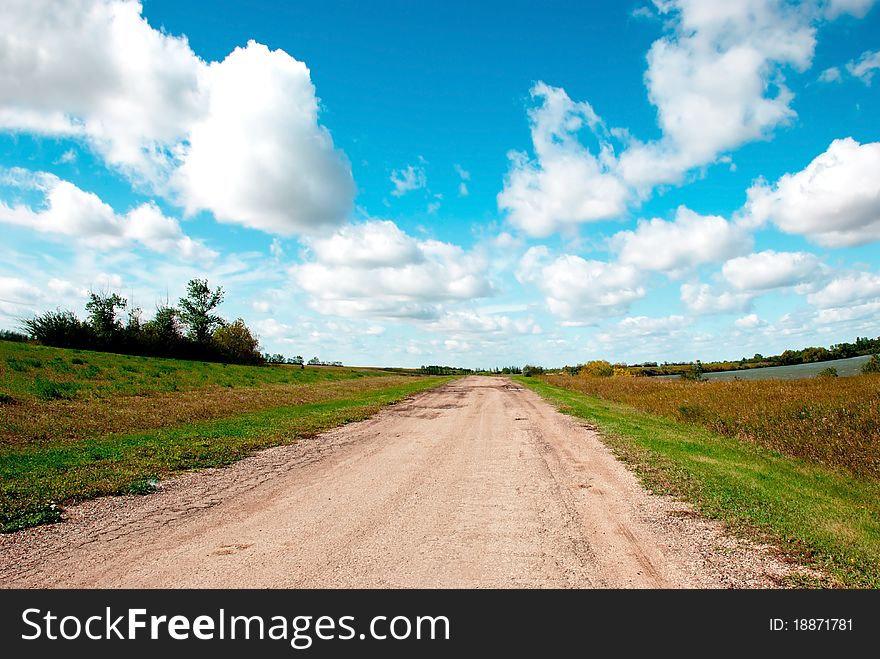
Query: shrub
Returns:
{"type": "Point", "coordinates": [694, 373]}
{"type": "Point", "coordinates": [829, 372]}
{"type": "Point", "coordinates": [872, 365]}
{"type": "Point", "coordinates": [237, 344]}
{"type": "Point", "coordinates": [598, 368]}
{"type": "Point", "coordinates": [59, 328]}
{"type": "Point", "coordinates": [528, 370]}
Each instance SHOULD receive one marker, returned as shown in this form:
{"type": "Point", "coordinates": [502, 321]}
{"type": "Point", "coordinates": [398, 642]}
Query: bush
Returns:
{"type": "Point", "coordinates": [829, 372]}
{"type": "Point", "coordinates": [693, 373]}
{"type": "Point", "coordinates": [237, 344]}
{"type": "Point", "coordinates": [528, 370]}
{"type": "Point", "coordinates": [61, 329]}
{"type": "Point", "coordinates": [598, 368]}
{"type": "Point", "coordinates": [872, 365]}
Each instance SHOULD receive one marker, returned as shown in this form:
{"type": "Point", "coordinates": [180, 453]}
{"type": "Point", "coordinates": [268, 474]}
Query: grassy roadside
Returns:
{"type": "Point", "coordinates": [815, 515]}
{"type": "Point", "coordinates": [37, 479]}
{"type": "Point", "coordinates": [32, 373]}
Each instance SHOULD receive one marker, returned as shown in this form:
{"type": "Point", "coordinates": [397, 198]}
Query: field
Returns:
{"type": "Point", "coordinates": [831, 421]}
{"type": "Point", "coordinates": [76, 425]}
{"type": "Point", "coordinates": [794, 463]}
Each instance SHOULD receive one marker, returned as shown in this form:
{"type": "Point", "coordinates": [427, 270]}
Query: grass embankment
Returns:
{"type": "Point", "coordinates": [125, 427]}
{"type": "Point", "coordinates": [823, 517]}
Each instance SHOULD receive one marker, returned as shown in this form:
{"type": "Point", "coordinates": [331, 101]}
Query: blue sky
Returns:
{"type": "Point", "coordinates": [412, 183]}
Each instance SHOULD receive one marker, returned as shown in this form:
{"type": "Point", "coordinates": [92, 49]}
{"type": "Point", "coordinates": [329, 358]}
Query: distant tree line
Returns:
{"type": "Point", "coordinates": [445, 370]}
{"type": "Point", "coordinates": [190, 330]}
{"type": "Point", "coordinates": [695, 370]}
{"type": "Point", "coordinates": [860, 347]}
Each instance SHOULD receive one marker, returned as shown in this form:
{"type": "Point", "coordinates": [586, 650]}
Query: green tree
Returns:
{"type": "Point", "coordinates": [102, 315]}
{"type": "Point", "coordinates": [872, 365]}
{"type": "Point", "coordinates": [237, 344]}
{"type": "Point", "coordinates": [196, 308]}
{"type": "Point", "coordinates": [164, 329]}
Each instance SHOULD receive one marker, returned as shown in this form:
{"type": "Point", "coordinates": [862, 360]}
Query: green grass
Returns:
{"type": "Point", "coordinates": [817, 516]}
{"type": "Point", "coordinates": [35, 372]}
{"type": "Point", "coordinates": [36, 480]}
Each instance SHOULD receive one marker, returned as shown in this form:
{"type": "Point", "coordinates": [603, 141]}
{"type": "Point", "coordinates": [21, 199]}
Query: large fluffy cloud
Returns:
{"type": "Point", "coordinates": [565, 184]}
{"type": "Point", "coordinates": [69, 211]}
{"type": "Point", "coordinates": [239, 138]}
{"type": "Point", "coordinates": [258, 156]}
{"type": "Point", "coordinates": [716, 79]}
{"type": "Point", "coordinates": [578, 290]}
{"type": "Point", "coordinates": [689, 240]}
{"type": "Point", "coordinates": [834, 201]}
{"type": "Point", "coordinates": [406, 278]}
{"type": "Point", "coordinates": [769, 269]}
{"type": "Point", "coordinates": [96, 69]}
{"type": "Point", "coordinates": [713, 81]}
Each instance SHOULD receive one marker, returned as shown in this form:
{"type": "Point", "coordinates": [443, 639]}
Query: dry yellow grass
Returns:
{"type": "Point", "coordinates": [831, 421]}
{"type": "Point", "coordinates": [35, 422]}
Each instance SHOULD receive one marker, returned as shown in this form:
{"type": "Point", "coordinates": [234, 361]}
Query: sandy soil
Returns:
{"type": "Point", "coordinates": [477, 484]}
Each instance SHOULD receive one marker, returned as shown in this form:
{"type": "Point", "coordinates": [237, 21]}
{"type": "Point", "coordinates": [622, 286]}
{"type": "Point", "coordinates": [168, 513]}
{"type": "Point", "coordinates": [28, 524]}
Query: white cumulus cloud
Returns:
{"type": "Point", "coordinates": [769, 269]}
{"type": "Point", "coordinates": [239, 137]}
{"type": "Point", "coordinates": [565, 184]}
{"type": "Point", "coordinates": [716, 79]}
{"type": "Point", "coordinates": [702, 299]}
{"type": "Point", "coordinates": [470, 323]}
{"type": "Point", "coordinates": [687, 241]}
{"type": "Point", "coordinates": [406, 278]}
{"type": "Point", "coordinates": [750, 321]}
{"type": "Point", "coordinates": [847, 289]}
{"type": "Point", "coordinates": [69, 211]}
{"type": "Point", "coordinates": [834, 201]}
{"type": "Point", "coordinates": [258, 156]}
{"type": "Point", "coordinates": [579, 290]}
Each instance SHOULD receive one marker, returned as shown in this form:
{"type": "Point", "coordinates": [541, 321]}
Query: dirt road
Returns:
{"type": "Point", "coordinates": [477, 484]}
